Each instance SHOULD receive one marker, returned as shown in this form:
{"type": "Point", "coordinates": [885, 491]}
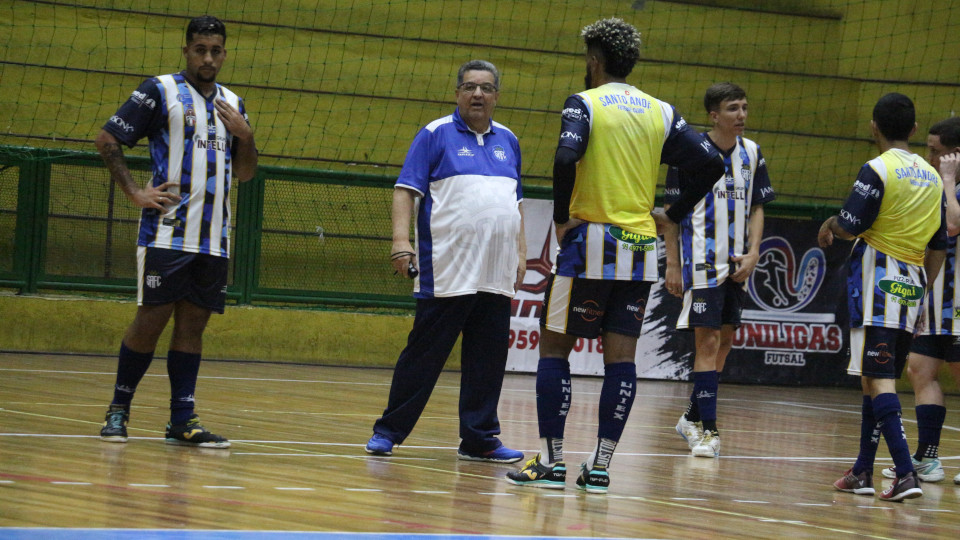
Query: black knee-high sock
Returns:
{"type": "Point", "coordinates": [131, 367]}
{"type": "Point", "coordinates": [182, 367]}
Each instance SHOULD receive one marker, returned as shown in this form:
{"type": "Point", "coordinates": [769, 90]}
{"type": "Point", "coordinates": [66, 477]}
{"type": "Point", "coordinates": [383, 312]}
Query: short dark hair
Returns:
{"type": "Point", "coordinates": [948, 130]}
{"type": "Point", "coordinates": [895, 116]}
{"type": "Point", "coordinates": [206, 25]}
{"type": "Point", "coordinates": [720, 92]}
{"type": "Point", "coordinates": [478, 65]}
{"type": "Point", "coordinates": [617, 41]}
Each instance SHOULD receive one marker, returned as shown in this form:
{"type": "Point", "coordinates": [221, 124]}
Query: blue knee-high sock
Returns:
{"type": "Point", "coordinates": [693, 409]}
{"type": "Point", "coordinates": [182, 367]}
{"type": "Point", "coordinates": [886, 408]}
{"type": "Point", "coordinates": [869, 438]}
{"type": "Point", "coordinates": [929, 425]}
{"type": "Point", "coordinates": [705, 386]}
{"type": "Point", "coordinates": [616, 399]}
{"type": "Point", "coordinates": [131, 367]}
{"type": "Point", "coordinates": [553, 396]}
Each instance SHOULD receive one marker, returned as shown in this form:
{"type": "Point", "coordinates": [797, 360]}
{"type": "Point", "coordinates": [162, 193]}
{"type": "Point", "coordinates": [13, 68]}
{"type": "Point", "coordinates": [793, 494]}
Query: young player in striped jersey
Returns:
{"type": "Point", "coordinates": [719, 247]}
{"type": "Point", "coordinates": [939, 339]}
{"type": "Point", "coordinates": [613, 138]}
{"type": "Point", "coordinates": [200, 139]}
{"type": "Point", "coordinates": [896, 211]}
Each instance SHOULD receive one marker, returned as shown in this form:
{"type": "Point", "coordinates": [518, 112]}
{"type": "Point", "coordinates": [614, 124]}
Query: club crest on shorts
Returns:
{"type": "Point", "coordinates": [699, 305]}
{"type": "Point", "coordinates": [152, 280]}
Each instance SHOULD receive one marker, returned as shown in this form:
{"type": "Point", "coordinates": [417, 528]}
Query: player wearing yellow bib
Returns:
{"type": "Point", "coordinates": [613, 138]}
{"type": "Point", "coordinates": [896, 210]}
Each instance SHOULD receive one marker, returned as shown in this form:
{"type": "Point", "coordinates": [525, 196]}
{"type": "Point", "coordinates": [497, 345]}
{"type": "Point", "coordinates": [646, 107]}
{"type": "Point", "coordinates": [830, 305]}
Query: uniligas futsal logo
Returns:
{"type": "Point", "coordinates": [779, 283]}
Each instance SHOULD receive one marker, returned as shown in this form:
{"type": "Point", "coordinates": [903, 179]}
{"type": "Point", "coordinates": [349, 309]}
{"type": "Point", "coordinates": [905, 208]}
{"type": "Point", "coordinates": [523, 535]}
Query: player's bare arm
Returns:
{"type": "Point", "coordinates": [830, 230]}
{"type": "Point", "coordinates": [567, 226]}
{"type": "Point", "coordinates": [146, 197]}
{"type": "Point", "coordinates": [932, 262]}
{"type": "Point", "coordinates": [748, 261]}
{"type": "Point", "coordinates": [673, 279]}
{"type": "Point", "coordinates": [664, 223]}
{"type": "Point", "coordinates": [245, 149]}
{"type": "Point", "coordinates": [948, 171]}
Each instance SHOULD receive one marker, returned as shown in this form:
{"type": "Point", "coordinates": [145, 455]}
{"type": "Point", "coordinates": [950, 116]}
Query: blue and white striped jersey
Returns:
{"type": "Point", "coordinates": [468, 217]}
{"type": "Point", "coordinates": [190, 146]}
{"type": "Point", "coordinates": [942, 301]}
{"type": "Point", "coordinates": [716, 229]}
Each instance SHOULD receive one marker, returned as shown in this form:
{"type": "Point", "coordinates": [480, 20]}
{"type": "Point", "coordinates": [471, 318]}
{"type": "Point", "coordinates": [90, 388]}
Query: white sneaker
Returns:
{"type": "Point", "coordinates": [928, 470]}
{"type": "Point", "coordinates": [708, 446]}
{"type": "Point", "coordinates": [691, 432]}
{"type": "Point", "coordinates": [956, 479]}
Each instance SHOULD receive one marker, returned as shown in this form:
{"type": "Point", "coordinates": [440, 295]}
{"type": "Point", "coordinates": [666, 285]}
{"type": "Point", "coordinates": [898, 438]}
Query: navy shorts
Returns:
{"type": "Point", "coordinates": [878, 352]}
{"type": "Point", "coordinates": [588, 307]}
{"type": "Point", "coordinates": [712, 307]}
{"type": "Point", "coordinates": [940, 347]}
{"type": "Point", "coordinates": [165, 276]}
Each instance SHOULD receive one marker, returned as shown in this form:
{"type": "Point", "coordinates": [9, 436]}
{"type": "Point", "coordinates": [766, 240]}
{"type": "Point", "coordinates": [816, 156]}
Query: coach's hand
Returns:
{"type": "Point", "coordinates": [402, 257]}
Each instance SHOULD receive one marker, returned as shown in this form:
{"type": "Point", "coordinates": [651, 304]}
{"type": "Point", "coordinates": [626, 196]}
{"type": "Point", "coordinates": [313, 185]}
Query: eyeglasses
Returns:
{"type": "Point", "coordinates": [471, 87]}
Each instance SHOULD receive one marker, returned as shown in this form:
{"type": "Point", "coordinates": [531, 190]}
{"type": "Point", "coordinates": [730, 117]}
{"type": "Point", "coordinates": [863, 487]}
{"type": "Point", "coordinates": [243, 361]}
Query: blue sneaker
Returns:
{"type": "Point", "coordinates": [379, 445]}
{"type": "Point", "coordinates": [502, 454]}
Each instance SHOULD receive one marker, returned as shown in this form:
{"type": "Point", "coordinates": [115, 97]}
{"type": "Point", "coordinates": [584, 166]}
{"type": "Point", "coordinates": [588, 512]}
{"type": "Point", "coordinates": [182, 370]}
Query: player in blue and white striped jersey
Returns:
{"type": "Point", "coordinates": [939, 339]}
{"type": "Point", "coordinates": [719, 245]}
{"type": "Point", "coordinates": [200, 139]}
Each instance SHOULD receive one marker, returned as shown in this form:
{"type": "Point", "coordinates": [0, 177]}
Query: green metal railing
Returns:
{"type": "Point", "coordinates": [301, 236]}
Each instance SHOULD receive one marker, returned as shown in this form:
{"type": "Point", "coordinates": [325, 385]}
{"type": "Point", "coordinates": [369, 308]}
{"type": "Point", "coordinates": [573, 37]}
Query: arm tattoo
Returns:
{"type": "Point", "coordinates": [112, 155]}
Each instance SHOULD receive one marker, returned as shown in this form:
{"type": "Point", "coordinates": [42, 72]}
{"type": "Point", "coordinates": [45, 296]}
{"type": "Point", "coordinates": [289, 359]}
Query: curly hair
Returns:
{"type": "Point", "coordinates": [617, 41]}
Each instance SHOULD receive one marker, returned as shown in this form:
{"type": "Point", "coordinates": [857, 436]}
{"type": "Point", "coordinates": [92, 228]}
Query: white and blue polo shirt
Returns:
{"type": "Point", "coordinates": [468, 216]}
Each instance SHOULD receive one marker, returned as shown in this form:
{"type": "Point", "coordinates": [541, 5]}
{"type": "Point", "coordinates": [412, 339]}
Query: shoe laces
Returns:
{"type": "Point", "coordinates": [115, 419]}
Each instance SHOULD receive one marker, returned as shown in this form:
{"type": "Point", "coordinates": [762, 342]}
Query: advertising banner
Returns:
{"type": "Point", "coordinates": [794, 328]}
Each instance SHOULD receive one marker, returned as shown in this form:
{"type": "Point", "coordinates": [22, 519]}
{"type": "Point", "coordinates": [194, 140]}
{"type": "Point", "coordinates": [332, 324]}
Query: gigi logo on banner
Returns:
{"type": "Point", "coordinates": [782, 286]}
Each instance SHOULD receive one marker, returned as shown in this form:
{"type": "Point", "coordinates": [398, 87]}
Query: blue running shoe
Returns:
{"type": "Point", "coordinates": [501, 454]}
{"type": "Point", "coordinates": [379, 445]}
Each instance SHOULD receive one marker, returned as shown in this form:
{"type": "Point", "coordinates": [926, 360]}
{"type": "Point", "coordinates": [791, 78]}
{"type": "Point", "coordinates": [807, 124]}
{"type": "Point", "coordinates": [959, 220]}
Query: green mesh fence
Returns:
{"type": "Point", "coordinates": [343, 86]}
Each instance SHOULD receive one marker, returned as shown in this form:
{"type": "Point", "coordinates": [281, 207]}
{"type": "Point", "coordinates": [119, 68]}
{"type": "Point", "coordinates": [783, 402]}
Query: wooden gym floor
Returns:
{"type": "Point", "coordinates": [297, 462]}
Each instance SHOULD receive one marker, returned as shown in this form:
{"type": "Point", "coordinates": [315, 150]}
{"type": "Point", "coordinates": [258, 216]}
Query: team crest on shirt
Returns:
{"type": "Point", "coordinates": [632, 241]}
{"type": "Point", "coordinates": [189, 115]}
{"type": "Point", "coordinates": [903, 289]}
{"type": "Point", "coordinates": [746, 174]}
{"type": "Point", "coordinates": [499, 153]}
{"type": "Point", "coordinates": [465, 152]}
